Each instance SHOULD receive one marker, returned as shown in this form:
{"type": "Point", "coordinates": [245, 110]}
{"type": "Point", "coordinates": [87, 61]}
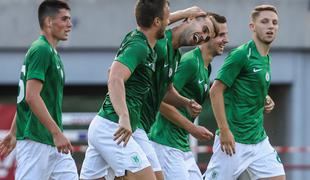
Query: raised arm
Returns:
{"type": "Point", "coordinates": [193, 11]}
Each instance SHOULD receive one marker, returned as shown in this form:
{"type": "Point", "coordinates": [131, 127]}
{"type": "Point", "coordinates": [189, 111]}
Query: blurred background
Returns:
{"type": "Point", "coordinates": [99, 27]}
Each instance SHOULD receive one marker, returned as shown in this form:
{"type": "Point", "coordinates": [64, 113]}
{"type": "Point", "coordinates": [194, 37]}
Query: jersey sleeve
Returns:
{"type": "Point", "coordinates": [186, 71]}
{"type": "Point", "coordinates": [232, 66]}
{"type": "Point", "coordinates": [38, 62]}
{"type": "Point", "coordinates": [132, 54]}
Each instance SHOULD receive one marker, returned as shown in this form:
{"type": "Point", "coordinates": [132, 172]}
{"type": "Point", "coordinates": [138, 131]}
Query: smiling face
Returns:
{"type": "Point", "coordinates": [217, 44]}
{"type": "Point", "coordinates": [197, 31]}
{"type": "Point", "coordinates": [265, 26]}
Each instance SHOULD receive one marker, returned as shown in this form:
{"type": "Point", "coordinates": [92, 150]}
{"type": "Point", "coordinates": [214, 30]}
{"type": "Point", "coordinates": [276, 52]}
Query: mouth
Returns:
{"type": "Point", "coordinates": [269, 33]}
{"type": "Point", "coordinates": [197, 38]}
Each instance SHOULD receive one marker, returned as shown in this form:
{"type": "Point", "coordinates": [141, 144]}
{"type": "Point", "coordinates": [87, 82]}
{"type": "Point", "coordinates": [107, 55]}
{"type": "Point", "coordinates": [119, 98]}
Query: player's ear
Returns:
{"type": "Point", "coordinates": [252, 26]}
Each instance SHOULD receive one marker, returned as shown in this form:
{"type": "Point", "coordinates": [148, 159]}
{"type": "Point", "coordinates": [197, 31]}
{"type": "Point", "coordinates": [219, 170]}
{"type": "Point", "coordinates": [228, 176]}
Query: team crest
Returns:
{"type": "Point", "coordinates": [170, 72]}
{"type": "Point", "coordinates": [267, 76]}
{"type": "Point", "coordinates": [206, 87]}
{"type": "Point", "coordinates": [135, 159]}
{"type": "Point", "coordinates": [214, 175]}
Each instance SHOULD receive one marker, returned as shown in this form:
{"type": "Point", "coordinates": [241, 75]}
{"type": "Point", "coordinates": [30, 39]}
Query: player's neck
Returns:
{"type": "Point", "coordinates": [262, 47]}
{"type": "Point", "coordinates": [149, 34]}
{"type": "Point", "coordinates": [206, 55]}
{"type": "Point", "coordinates": [52, 41]}
{"type": "Point", "coordinates": [177, 37]}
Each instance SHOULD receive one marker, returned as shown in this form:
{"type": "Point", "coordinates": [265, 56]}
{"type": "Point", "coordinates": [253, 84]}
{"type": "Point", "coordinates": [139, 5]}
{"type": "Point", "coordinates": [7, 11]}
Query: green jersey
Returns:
{"type": "Point", "coordinates": [247, 76]}
{"type": "Point", "coordinates": [43, 63]}
{"type": "Point", "coordinates": [166, 65]}
{"type": "Point", "coordinates": [192, 81]}
{"type": "Point", "coordinates": [136, 54]}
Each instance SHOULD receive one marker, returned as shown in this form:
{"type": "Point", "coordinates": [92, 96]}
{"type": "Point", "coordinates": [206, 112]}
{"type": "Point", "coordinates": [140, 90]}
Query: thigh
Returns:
{"type": "Point", "coordinates": [172, 162]}
{"type": "Point", "coordinates": [65, 167]}
{"type": "Point", "coordinates": [119, 158]}
{"type": "Point", "coordinates": [32, 160]}
{"type": "Point", "coordinates": [192, 167]}
{"type": "Point", "coordinates": [221, 165]}
{"type": "Point", "coordinates": [141, 138]}
{"type": "Point", "coordinates": [268, 164]}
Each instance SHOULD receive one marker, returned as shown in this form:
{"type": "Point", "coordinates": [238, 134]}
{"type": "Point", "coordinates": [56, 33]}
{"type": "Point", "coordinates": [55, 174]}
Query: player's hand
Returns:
{"type": "Point", "coordinates": [269, 104]}
{"type": "Point", "coordinates": [62, 144]}
{"type": "Point", "coordinates": [227, 141]}
{"type": "Point", "coordinates": [193, 11]}
{"type": "Point", "coordinates": [201, 133]}
{"type": "Point", "coordinates": [7, 144]}
{"type": "Point", "coordinates": [193, 108]}
{"type": "Point", "coordinates": [123, 133]}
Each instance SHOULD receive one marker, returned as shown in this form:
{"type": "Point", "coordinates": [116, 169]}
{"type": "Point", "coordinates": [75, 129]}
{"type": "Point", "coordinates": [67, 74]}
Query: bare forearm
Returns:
{"type": "Point", "coordinates": [174, 116]}
{"type": "Point", "coordinates": [173, 98]}
{"type": "Point", "coordinates": [217, 100]}
{"type": "Point", "coordinates": [176, 16]}
{"type": "Point", "coordinates": [13, 126]}
{"type": "Point", "coordinates": [38, 107]}
{"type": "Point", "coordinates": [118, 97]}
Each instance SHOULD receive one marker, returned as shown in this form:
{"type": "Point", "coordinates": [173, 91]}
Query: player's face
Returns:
{"type": "Point", "coordinates": [265, 26]}
{"type": "Point", "coordinates": [218, 43]}
{"type": "Point", "coordinates": [198, 31]}
{"type": "Point", "coordinates": [61, 25]}
{"type": "Point", "coordinates": [164, 22]}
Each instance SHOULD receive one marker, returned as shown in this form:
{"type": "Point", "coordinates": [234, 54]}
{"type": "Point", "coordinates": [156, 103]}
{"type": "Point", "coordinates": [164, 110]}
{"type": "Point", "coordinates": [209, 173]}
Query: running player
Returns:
{"type": "Point", "coordinates": [37, 124]}
{"type": "Point", "coordinates": [170, 130]}
{"type": "Point", "coordinates": [239, 99]}
{"type": "Point", "coordinates": [110, 145]}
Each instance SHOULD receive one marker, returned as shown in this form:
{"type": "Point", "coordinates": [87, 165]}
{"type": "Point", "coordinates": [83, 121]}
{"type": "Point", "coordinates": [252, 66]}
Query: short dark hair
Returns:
{"type": "Point", "coordinates": [49, 8]}
{"type": "Point", "coordinates": [147, 10]}
{"type": "Point", "coordinates": [265, 7]}
{"type": "Point", "coordinates": [216, 18]}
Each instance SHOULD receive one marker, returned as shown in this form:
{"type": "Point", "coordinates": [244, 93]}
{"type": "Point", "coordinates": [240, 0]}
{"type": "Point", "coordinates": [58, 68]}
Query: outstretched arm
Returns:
{"type": "Point", "coordinates": [217, 99]}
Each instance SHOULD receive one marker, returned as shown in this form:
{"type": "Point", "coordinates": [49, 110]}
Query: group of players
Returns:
{"type": "Point", "coordinates": [154, 94]}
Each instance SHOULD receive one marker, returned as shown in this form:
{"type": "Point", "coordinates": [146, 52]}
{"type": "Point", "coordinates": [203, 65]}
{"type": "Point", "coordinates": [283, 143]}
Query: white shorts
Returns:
{"type": "Point", "coordinates": [260, 160]}
{"type": "Point", "coordinates": [41, 161]}
{"type": "Point", "coordinates": [103, 153]}
{"type": "Point", "coordinates": [177, 164]}
{"type": "Point", "coordinates": [141, 138]}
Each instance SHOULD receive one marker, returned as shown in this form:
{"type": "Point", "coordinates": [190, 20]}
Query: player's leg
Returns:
{"type": "Point", "coordinates": [32, 160]}
{"type": "Point", "coordinates": [267, 164]}
{"type": "Point", "coordinates": [223, 166]}
{"type": "Point", "coordinates": [172, 161]}
{"type": "Point", "coordinates": [121, 159]}
{"type": "Point", "coordinates": [192, 168]}
{"type": "Point", "coordinates": [141, 138]}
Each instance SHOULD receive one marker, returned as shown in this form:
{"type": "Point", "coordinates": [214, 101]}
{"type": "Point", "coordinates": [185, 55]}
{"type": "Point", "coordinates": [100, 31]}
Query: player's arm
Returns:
{"type": "Point", "coordinates": [173, 98]}
{"type": "Point", "coordinates": [217, 100]}
{"type": "Point", "coordinates": [269, 104]}
{"type": "Point", "coordinates": [118, 75]}
{"type": "Point", "coordinates": [8, 143]}
{"type": "Point", "coordinates": [38, 107]}
{"type": "Point", "coordinates": [173, 115]}
{"type": "Point", "coordinates": [193, 11]}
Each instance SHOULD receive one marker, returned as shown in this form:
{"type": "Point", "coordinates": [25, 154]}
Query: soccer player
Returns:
{"type": "Point", "coordinates": [192, 31]}
{"type": "Point", "coordinates": [239, 99]}
{"type": "Point", "coordinates": [110, 142]}
{"type": "Point", "coordinates": [170, 132]}
{"type": "Point", "coordinates": [37, 124]}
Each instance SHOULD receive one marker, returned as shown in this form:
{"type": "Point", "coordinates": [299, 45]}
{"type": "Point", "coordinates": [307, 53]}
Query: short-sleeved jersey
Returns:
{"type": "Point", "coordinates": [192, 81]}
{"type": "Point", "coordinates": [43, 63]}
{"type": "Point", "coordinates": [247, 76]}
{"type": "Point", "coordinates": [166, 65]}
{"type": "Point", "coordinates": [136, 54]}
